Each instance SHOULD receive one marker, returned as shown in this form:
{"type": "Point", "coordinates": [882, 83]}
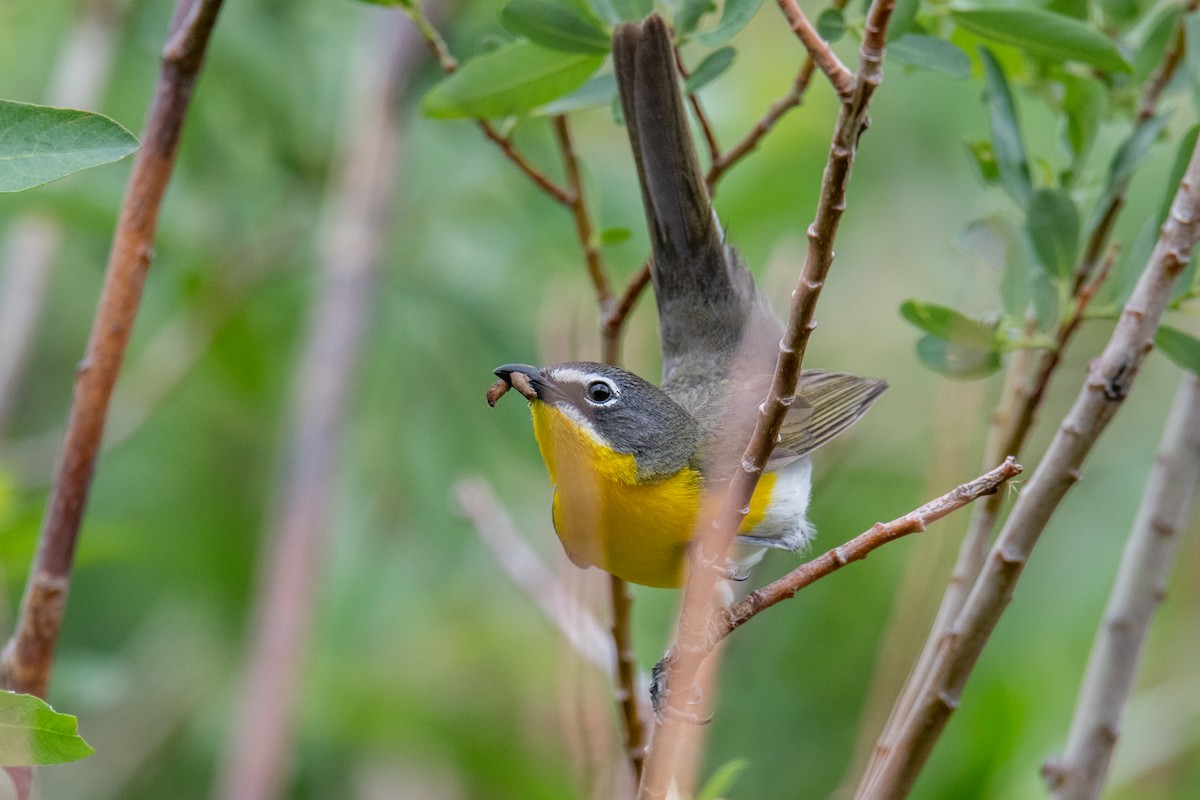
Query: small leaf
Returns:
{"type": "Point", "coordinates": [556, 26]}
{"type": "Point", "coordinates": [1149, 52]}
{"type": "Point", "coordinates": [611, 236]}
{"type": "Point", "coordinates": [983, 156]}
{"type": "Point", "coordinates": [1049, 36]}
{"type": "Point", "coordinates": [733, 18]}
{"type": "Point", "coordinates": [931, 53]}
{"type": "Point", "coordinates": [597, 92]}
{"type": "Point", "coordinates": [1133, 151]}
{"type": "Point", "coordinates": [1133, 260]}
{"type": "Point", "coordinates": [514, 79]}
{"type": "Point", "coordinates": [689, 14]}
{"type": "Point", "coordinates": [1191, 28]}
{"type": "Point", "coordinates": [1053, 225]}
{"type": "Point", "coordinates": [1069, 8]}
{"type": "Point", "coordinates": [904, 15]}
{"type": "Point", "coordinates": [32, 733]}
{"type": "Point", "coordinates": [709, 69]}
{"type": "Point", "coordinates": [1084, 103]}
{"type": "Point", "coordinates": [831, 24]}
{"type": "Point", "coordinates": [946, 323]}
{"type": "Point", "coordinates": [722, 780]}
{"type": "Point", "coordinates": [956, 360]}
{"type": "Point", "coordinates": [39, 144]}
{"type": "Point", "coordinates": [1180, 347]}
{"type": "Point", "coordinates": [614, 11]}
{"type": "Point", "coordinates": [1011, 161]}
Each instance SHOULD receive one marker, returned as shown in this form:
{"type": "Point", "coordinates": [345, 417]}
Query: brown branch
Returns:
{"type": "Point", "coordinates": [612, 320]}
{"type": "Point", "coordinates": [510, 151]}
{"type": "Point", "coordinates": [298, 525]}
{"type": "Point", "coordinates": [633, 726]}
{"type": "Point", "coordinates": [575, 200]}
{"type": "Point", "coordinates": [1109, 380]}
{"type": "Point", "coordinates": [861, 546]}
{"type": "Point", "coordinates": [29, 654]}
{"type": "Point", "coordinates": [672, 750]}
{"type": "Point", "coordinates": [1141, 583]}
{"type": "Point", "coordinates": [818, 50]}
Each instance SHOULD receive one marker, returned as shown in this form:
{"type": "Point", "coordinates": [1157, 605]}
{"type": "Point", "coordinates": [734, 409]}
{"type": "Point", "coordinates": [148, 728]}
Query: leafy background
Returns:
{"type": "Point", "coordinates": [431, 675]}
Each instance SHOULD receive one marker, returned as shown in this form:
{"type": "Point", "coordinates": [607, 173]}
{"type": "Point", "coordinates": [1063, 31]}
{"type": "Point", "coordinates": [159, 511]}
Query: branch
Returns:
{"type": "Point", "coordinates": [818, 50]}
{"type": "Point", "coordinates": [1141, 583]}
{"type": "Point", "coordinates": [1109, 380]}
{"type": "Point", "coordinates": [612, 320]}
{"type": "Point", "coordinates": [672, 752]}
{"type": "Point", "coordinates": [560, 195]}
{"type": "Point", "coordinates": [579, 213]}
{"type": "Point", "coordinates": [861, 546]}
{"type": "Point", "coordinates": [27, 659]}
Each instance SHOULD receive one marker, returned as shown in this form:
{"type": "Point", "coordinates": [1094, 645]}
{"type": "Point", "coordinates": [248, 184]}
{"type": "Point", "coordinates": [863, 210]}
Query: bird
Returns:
{"type": "Point", "coordinates": [631, 462]}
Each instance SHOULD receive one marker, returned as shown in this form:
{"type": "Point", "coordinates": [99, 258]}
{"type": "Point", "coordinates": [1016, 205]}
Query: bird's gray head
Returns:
{"type": "Point", "coordinates": [618, 409]}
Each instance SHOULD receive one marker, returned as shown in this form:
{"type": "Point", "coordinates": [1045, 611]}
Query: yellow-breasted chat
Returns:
{"type": "Point", "coordinates": [630, 461]}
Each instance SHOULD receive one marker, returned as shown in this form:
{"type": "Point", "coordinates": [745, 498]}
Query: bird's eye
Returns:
{"type": "Point", "coordinates": [600, 392]}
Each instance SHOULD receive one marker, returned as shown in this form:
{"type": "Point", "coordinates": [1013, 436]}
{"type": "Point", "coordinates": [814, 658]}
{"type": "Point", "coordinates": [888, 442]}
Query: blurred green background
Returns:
{"type": "Point", "coordinates": [431, 674]}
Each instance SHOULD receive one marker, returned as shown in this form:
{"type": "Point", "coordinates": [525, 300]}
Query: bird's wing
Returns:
{"type": "Point", "coordinates": [828, 403]}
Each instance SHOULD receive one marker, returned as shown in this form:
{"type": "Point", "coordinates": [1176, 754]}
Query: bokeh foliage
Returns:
{"type": "Point", "coordinates": [431, 671]}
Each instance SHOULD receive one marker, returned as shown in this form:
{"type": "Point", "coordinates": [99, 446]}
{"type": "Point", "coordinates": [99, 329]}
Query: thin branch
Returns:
{"type": "Point", "coordinates": [584, 229]}
{"type": "Point", "coordinates": [613, 319]}
{"type": "Point", "coordinates": [29, 654]}
{"type": "Point", "coordinates": [861, 546]}
{"type": "Point", "coordinates": [627, 684]}
{"type": "Point", "coordinates": [818, 50]}
{"type": "Point", "coordinates": [1109, 380]}
{"type": "Point", "coordinates": [506, 145]}
{"type": "Point", "coordinates": [496, 529]}
{"type": "Point", "coordinates": [672, 751]}
{"type": "Point", "coordinates": [1145, 566]}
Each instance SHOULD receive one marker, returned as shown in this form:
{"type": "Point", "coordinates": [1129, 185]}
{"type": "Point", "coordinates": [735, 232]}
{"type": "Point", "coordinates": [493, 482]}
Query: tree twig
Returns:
{"type": "Point", "coordinates": [612, 319]}
{"type": "Point", "coordinates": [29, 654]}
{"type": "Point", "coordinates": [1145, 566]}
{"type": "Point", "coordinates": [1109, 380]}
{"type": "Point", "coordinates": [671, 751]}
{"type": "Point", "coordinates": [861, 546]}
{"type": "Point", "coordinates": [818, 50]}
{"type": "Point", "coordinates": [576, 202]}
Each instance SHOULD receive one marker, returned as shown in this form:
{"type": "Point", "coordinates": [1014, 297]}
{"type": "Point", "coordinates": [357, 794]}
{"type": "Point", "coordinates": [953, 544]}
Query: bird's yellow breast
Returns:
{"type": "Point", "coordinates": [606, 518]}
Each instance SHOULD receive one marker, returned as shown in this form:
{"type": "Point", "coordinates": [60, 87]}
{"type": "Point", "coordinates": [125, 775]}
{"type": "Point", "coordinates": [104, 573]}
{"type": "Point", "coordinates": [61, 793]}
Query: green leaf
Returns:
{"type": "Point", "coordinates": [1053, 225]}
{"type": "Point", "coordinates": [904, 15]}
{"type": "Point", "coordinates": [39, 144]}
{"type": "Point", "coordinates": [946, 323]}
{"type": "Point", "coordinates": [831, 24]}
{"type": "Point", "coordinates": [598, 91]}
{"type": "Point", "coordinates": [1133, 260]}
{"type": "Point", "coordinates": [1084, 103]}
{"type": "Point", "coordinates": [556, 26]}
{"type": "Point", "coordinates": [733, 18]}
{"type": "Point", "coordinates": [709, 69]}
{"type": "Point", "coordinates": [1191, 31]}
{"type": "Point", "coordinates": [722, 780]}
{"type": "Point", "coordinates": [1047, 35]}
{"type": "Point", "coordinates": [1069, 8]}
{"type": "Point", "coordinates": [511, 80]}
{"type": "Point", "coordinates": [1180, 347]}
{"type": "Point", "coordinates": [1011, 161]}
{"type": "Point", "coordinates": [689, 13]}
{"type": "Point", "coordinates": [956, 360]}
{"type": "Point", "coordinates": [611, 236]}
{"type": "Point", "coordinates": [1150, 50]}
{"type": "Point", "coordinates": [931, 53]}
{"type": "Point", "coordinates": [614, 11]}
{"type": "Point", "coordinates": [983, 156]}
{"type": "Point", "coordinates": [32, 733]}
{"type": "Point", "coordinates": [1133, 151]}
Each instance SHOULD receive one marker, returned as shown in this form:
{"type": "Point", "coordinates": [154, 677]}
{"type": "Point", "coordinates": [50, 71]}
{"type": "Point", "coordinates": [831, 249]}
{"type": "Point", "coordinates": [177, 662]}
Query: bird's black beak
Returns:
{"type": "Point", "coordinates": [535, 379]}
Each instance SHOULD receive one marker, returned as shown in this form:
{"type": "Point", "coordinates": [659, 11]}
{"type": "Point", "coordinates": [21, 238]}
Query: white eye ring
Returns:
{"type": "Point", "coordinates": [600, 392]}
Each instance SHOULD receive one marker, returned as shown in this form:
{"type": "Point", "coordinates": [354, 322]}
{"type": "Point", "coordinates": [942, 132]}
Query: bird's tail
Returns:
{"type": "Point", "coordinates": [706, 296]}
